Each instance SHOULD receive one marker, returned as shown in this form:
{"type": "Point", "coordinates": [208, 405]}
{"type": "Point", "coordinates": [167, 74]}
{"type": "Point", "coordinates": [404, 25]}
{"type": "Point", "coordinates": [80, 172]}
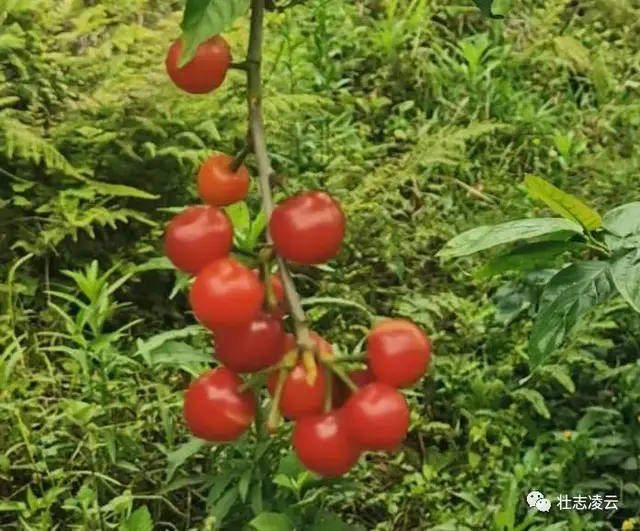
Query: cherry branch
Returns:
{"type": "Point", "coordinates": [266, 173]}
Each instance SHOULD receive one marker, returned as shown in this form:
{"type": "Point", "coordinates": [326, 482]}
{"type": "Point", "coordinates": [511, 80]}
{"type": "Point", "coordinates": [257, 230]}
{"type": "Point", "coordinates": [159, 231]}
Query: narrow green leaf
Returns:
{"type": "Point", "coordinates": [561, 374]}
{"type": "Point", "coordinates": [580, 288]}
{"type": "Point", "coordinates": [625, 272]}
{"type": "Point", "coordinates": [624, 220]}
{"type": "Point", "coordinates": [224, 505]}
{"type": "Point", "coordinates": [240, 216]}
{"type": "Point", "coordinates": [205, 18]}
{"type": "Point", "coordinates": [488, 236]}
{"type": "Point", "coordinates": [177, 458]}
{"type": "Point", "coordinates": [119, 190]}
{"type": "Point", "coordinates": [562, 203]}
{"type": "Point", "coordinates": [272, 522]}
{"type": "Point", "coordinates": [243, 485]}
{"type": "Point", "coordinates": [528, 257]}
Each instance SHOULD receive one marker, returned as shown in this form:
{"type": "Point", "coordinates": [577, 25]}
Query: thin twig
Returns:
{"type": "Point", "coordinates": [256, 127]}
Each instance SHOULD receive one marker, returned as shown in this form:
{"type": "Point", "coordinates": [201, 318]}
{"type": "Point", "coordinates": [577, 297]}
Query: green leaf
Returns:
{"type": "Point", "coordinates": [624, 220]}
{"type": "Point", "coordinates": [119, 190]}
{"type": "Point", "coordinates": [177, 354]}
{"type": "Point", "coordinates": [570, 294]}
{"type": "Point", "coordinates": [561, 374]}
{"type": "Point", "coordinates": [562, 203]}
{"type": "Point", "coordinates": [177, 458]}
{"type": "Point", "coordinates": [528, 257]}
{"type": "Point", "coordinates": [224, 505]}
{"type": "Point", "coordinates": [329, 521]}
{"type": "Point", "coordinates": [243, 485]}
{"type": "Point", "coordinates": [205, 18]}
{"type": "Point", "coordinates": [271, 522]}
{"type": "Point", "coordinates": [485, 7]}
{"type": "Point", "coordinates": [140, 520]}
{"type": "Point", "coordinates": [625, 272]}
{"type": "Point", "coordinates": [240, 216]}
{"type": "Point", "coordinates": [535, 399]}
{"type": "Point", "coordinates": [488, 236]}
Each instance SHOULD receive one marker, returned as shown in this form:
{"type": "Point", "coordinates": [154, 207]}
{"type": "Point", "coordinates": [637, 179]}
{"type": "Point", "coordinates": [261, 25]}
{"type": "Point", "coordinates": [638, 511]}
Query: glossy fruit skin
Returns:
{"type": "Point", "coordinates": [218, 185]}
{"type": "Point", "coordinates": [299, 399]}
{"type": "Point", "coordinates": [323, 445]}
{"type": "Point", "coordinates": [341, 393]}
{"type": "Point", "coordinates": [214, 410]}
{"type": "Point", "coordinates": [252, 346]}
{"type": "Point", "coordinates": [226, 293]}
{"type": "Point", "coordinates": [198, 236]}
{"type": "Point", "coordinates": [308, 228]}
{"type": "Point", "coordinates": [377, 417]}
{"type": "Point", "coordinates": [205, 72]}
{"type": "Point", "coordinates": [398, 352]}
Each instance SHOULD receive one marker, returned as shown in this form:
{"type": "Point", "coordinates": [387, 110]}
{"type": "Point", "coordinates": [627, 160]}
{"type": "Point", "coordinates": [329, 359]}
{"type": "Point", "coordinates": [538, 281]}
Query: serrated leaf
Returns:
{"type": "Point", "coordinates": [625, 272]}
{"type": "Point", "coordinates": [623, 221]}
{"type": "Point", "coordinates": [562, 203]}
{"type": "Point", "coordinates": [271, 522]}
{"type": "Point", "coordinates": [528, 257]}
{"type": "Point", "coordinates": [574, 52]}
{"type": "Point", "coordinates": [140, 520]}
{"type": "Point", "coordinates": [177, 354]}
{"type": "Point", "coordinates": [487, 236]}
{"type": "Point", "coordinates": [535, 399]}
{"type": "Point", "coordinates": [561, 374]}
{"type": "Point", "coordinates": [572, 293]}
{"type": "Point", "coordinates": [119, 190]}
{"type": "Point", "coordinates": [205, 18]}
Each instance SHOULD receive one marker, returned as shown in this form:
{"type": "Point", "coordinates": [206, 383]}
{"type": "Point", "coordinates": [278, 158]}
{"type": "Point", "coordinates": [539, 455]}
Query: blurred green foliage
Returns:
{"type": "Point", "coordinates": [422, 117]}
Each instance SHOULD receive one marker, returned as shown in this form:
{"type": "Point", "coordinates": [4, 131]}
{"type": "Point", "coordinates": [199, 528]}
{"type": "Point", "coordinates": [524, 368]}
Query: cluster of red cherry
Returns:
{"type": "Point", "coordinates": [338, 414]}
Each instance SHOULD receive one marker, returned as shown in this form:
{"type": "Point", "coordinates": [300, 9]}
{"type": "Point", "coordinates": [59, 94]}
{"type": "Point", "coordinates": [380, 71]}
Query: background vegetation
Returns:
{"type": "Point", "coordinates": [422, 117]}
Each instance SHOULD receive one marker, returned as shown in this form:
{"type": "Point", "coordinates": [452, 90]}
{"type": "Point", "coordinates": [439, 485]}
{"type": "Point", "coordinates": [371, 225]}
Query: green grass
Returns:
{"type": "Point", "coordinates": [423, 118]}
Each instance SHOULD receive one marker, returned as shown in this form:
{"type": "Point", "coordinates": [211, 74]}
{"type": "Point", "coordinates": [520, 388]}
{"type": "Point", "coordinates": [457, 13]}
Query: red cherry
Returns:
{"type": "Point", "coordinates": [206, 71]}
{"type": "Point", "coordinates": [340, 392]}
{"type": "Point", "coordinates": [323, 446]}
{"type": "Point", "coordinates": [218, 185]}
{"type": "Point", "coordinates": [377, 417]}
{"type": "Point", "coordinates": [215, 410]}
{"type": "Point", "coordinates": [252, 346]}
{"type": "Point", "coordinates": [196, 237]}
{"type": "Point", "coordinates": [308, 228]}
{"type": "Point", "coordinates": [398, 352]}
{"type": "Point", "coordinates": [298, 398]}
{"type": "Point", "coordinates": [226, 293]}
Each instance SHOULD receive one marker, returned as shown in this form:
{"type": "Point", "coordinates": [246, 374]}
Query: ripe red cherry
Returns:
{"type": "Point", "coordinates": [398, 352]}
{"type": "Point", "coordinates": [252, 346]}
{"type": "Point", "coordinates": [214, 409]}
{"type": "Point", "coordinates": [308, 228]}
{"type": "Point", "coordinates": [298, 398]}
{"type": "Point", "coordinates": [323, 445]}
{"type": "Point", "coordinates": [226, 293]}
{"type": "Point", "coordinates": [196, 237]}
{"type": "Point", "coordinates": [205, 72]}
{"type": "Point", "coordinates": [377, 417]}
{"type": "Point", "coordinates": [218, 185]}
{"type": "Point", "coordinates": [340, 392]}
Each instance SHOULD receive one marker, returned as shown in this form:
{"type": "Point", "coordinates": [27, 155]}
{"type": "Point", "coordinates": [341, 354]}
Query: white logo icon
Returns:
{"type": "Point", "coordinates": [533, 497]}
{"type": "Point", "coordinates": [543, 505]}
{"type": "Point", "coordinates": [536, 499]}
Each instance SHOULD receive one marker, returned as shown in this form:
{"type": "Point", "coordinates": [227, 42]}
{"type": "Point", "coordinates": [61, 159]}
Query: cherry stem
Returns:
{"type": "Point", "coordinates": [358, 358]}
{"type": "Point", "coordinates": [239, 159]}
{"type": "Point", "coordinates": [270, 295]}
{"type": "Point", "coordinates": [239, 66]}
{"type": "Point", "coordinates": [328, 390]}
{"type": "Point", "coordinates": [265, 170]}
{"type": "Point", "coordinates": [341, 373]}
{"type": "Point", "coordinates": [274, 413]}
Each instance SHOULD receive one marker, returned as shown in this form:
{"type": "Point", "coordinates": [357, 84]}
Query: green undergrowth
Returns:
{"type": "Point", "coordinates": [422, 117]}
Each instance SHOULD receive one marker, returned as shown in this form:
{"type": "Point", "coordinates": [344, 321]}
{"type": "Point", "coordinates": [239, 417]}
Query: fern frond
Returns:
{"type": "Point", "coordinates": [21, 141]}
